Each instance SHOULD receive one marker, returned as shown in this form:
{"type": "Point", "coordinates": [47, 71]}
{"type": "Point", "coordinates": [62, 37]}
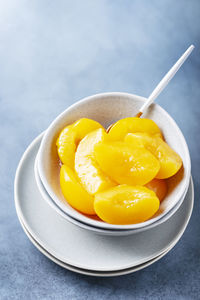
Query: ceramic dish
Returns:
{"type": "Point", "coordinates": [113, 232]}
{"type": "Point", "coordinates": [107, 108]}
{"type": "Point", "coordinates": [89, 272]}
{"type": "Point", "coordinates": [81, 248]}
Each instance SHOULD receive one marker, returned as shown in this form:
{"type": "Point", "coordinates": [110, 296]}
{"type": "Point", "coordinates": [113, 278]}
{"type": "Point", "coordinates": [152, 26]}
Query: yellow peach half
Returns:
{"type": "Point", "coordinates": [159, 186]}
{"type": "Point", "coordinates": [90, 174]}
{"type": "Point", "coordinates": [133, 124]}
{"type": "Point", "coordinates": [170, 161]}
{"type": "Point", "coordinates": [70, 137]}
{"type": "Point", "coordinates": [125, 164]}
{"type": "Point", "coordinates": [125, 204]}
{"type": "Point", "coordinates": [74, 193]}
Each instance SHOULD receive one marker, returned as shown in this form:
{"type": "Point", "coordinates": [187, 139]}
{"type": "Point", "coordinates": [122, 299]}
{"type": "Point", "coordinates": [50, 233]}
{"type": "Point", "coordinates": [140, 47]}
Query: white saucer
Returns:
{"type": "Point", "coordinates": [85, 249]}
{"type": "Point", "coordinates": [89, 272]}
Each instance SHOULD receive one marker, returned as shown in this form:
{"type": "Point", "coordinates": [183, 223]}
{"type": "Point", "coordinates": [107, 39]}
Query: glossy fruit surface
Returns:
{"type": "Point", "coordinates": [74, 193]}
{"type": "Point", "coordinates": [90, 174]}
{"type": "Point", "coordinates": [170, 161]}
{"type": "Point", "coordinates": [66, 146]}
{"type": "Point", "coordinates": [70, 136]}
{"type": "Point", "coordinates": [130, 125]}
{"type": "Point", "coordinates": [126, 164]}
{"type": "Point", "coordinates": [120, 175]}
{"type": "Point", "coordinates": [126, 204]}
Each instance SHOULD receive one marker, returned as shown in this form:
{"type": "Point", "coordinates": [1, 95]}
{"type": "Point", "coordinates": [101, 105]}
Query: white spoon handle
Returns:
{"type": "Point", "coordinates": [166, 79]}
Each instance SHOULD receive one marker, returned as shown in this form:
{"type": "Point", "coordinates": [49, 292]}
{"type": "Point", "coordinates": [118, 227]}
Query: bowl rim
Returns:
{"type": "Point", "coordinates": [74, 213]}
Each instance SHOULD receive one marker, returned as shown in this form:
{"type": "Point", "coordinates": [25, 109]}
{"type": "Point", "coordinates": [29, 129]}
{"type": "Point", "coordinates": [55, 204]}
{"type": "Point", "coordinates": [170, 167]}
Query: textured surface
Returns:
{"type": "Point", "coordinates": [53, 53]}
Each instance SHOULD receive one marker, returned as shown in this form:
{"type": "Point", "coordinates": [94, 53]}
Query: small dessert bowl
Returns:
{"type": "Point", "coordinates": [100, 231]}
{"type": "Point", "coordinates": [107, 108]}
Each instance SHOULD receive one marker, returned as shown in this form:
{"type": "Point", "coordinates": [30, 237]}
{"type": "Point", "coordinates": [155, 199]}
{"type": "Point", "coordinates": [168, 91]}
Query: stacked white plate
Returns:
{"type": "Point", "coordinates": [89, 246]}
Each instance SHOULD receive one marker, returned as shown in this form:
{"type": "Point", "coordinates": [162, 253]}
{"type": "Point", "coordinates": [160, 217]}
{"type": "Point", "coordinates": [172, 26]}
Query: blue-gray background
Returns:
{"type": "Point", "coordinates": [53, 53]}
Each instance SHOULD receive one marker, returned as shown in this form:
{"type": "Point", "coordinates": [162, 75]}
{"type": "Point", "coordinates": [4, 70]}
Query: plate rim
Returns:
{"type": "Point", "coordinates": [90, 272]}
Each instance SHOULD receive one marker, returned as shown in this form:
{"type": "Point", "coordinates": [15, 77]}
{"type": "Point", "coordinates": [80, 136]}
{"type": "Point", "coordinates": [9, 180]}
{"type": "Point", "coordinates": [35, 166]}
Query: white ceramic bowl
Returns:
{"type": "Point", "coordinates": [107, 108]}
{"type": "Point", "coordinates": [102, 231]}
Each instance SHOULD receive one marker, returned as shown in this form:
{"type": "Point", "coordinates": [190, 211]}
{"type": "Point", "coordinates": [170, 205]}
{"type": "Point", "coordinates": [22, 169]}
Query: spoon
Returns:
{"type": "Point", "coordinates": [163, 83]}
